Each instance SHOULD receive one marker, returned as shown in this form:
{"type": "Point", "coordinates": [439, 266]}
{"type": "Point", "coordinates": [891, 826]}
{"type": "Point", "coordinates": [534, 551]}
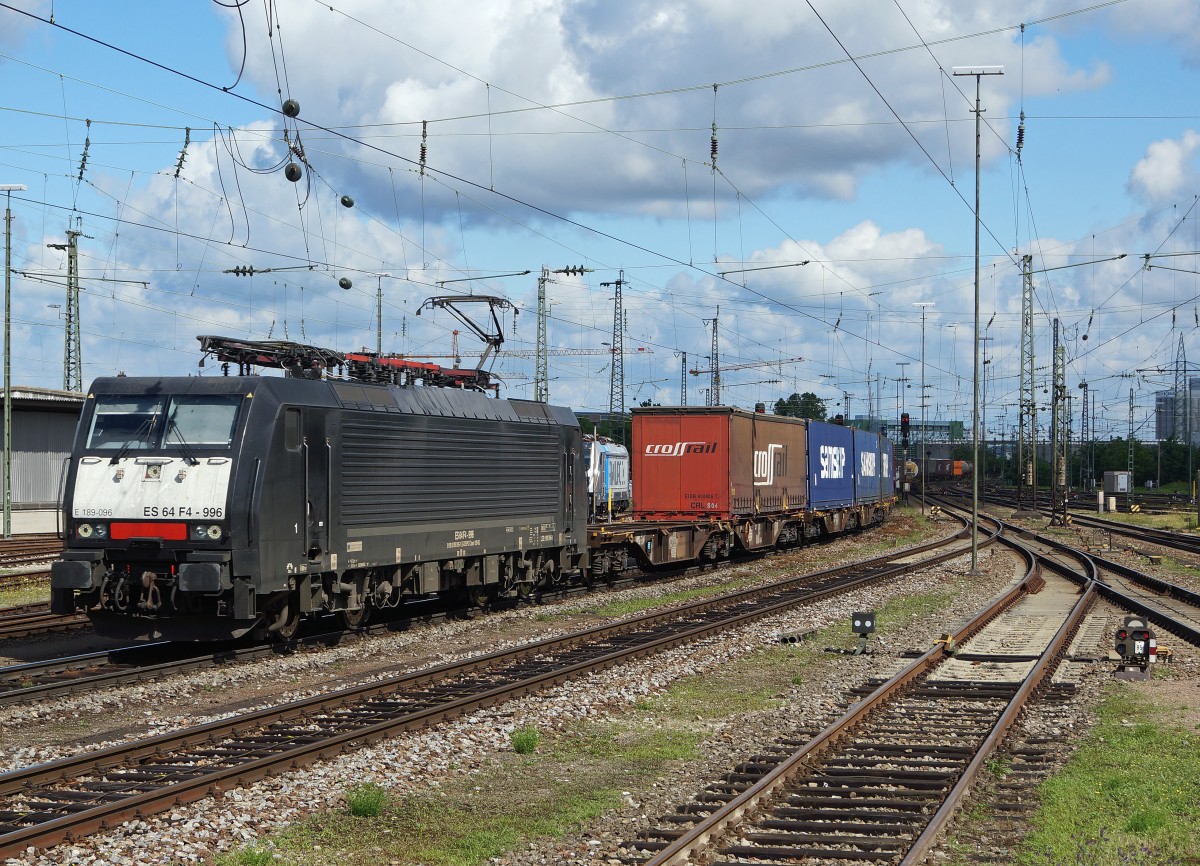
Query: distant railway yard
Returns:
{"type": "Point", "coordinates": [608, 727]}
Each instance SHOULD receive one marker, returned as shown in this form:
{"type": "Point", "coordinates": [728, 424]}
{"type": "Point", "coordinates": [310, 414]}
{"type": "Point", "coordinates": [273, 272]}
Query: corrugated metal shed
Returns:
{"type": "Point", "coordinates": [43, 428]}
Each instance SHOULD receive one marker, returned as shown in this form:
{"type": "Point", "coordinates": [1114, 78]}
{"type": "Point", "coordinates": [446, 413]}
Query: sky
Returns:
{"type": "Point", "coordinates": [801, 173]}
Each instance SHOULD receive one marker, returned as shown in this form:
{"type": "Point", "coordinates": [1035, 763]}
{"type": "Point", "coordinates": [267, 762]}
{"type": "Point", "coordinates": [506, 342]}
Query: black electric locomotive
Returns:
{"type": "Point", "coordinates": [199, 508]}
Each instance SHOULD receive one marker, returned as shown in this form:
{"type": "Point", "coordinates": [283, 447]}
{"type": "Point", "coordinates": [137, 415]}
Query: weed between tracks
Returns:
{"type": "Point", "coordinates": [25, 592]}
{"type": "Point", "coordinates": [573, 778]}
{"type": "Point", "coordinates": [1129, 796]}
{"type": "Point", "coordinates": [573, 775]}
{"type": "Point", "coordinates": [1177, 571]}
{"type": "Point", "coordinates": [1132, 790]}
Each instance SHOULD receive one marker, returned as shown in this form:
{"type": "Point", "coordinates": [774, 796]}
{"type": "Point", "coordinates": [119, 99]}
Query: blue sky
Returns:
{"type": "Point", "coordinates": [563, 133]}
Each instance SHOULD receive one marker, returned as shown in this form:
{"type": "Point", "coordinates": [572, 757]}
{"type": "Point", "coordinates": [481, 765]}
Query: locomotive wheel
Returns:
{"type": "Point", "coordinates": [287, 622]}
{"type": "Point", "coordinates": [353, 619]}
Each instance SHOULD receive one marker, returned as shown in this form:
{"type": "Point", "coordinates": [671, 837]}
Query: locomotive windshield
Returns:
{"type": "Point", "coordinates": [202, 420]}
{"type": "Point", "coordinates": [141, 423]}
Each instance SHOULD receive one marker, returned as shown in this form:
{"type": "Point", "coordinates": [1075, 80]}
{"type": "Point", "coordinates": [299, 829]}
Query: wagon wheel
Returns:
{"type": "Point", "coordinates": [480, 597]}
{"type": "Point", "coordinates": [354, 619]}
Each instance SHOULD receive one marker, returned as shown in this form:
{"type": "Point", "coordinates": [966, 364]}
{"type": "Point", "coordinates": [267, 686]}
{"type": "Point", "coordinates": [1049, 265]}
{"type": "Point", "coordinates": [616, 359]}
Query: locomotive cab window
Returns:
{"type": "Point", "coordinates": [202, 420]}
{"type": "Point", "coordinates": [125, 422]}
{"type": "Point", "coordinates": [137, 423]}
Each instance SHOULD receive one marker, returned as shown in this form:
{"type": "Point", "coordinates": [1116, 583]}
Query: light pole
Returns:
{"type": "Point", "coordinates": [8, 188]}
{"type": "Point", "coordinates": [978, 72]}
{"type": "Point", "coordinates": [923, 305]}
{"type": "Point", "coordinates": [379, 314]}
{"type": "Point", "coordinates": [901, 386]}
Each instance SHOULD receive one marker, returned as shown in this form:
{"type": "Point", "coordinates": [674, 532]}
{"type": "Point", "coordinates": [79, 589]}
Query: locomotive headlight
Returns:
{"type": "Point", "coordinates": [91, 530]}
{"type": "Point", "coordinates": [84, 530]}
{"type": "Point", "coordinates": [209, 531]}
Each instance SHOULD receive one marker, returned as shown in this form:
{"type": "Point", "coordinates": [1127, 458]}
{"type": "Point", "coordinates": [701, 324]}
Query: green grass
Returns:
{"type": "Point", "coordinates": [761, 680]}
{"type": "Point", "coordinates": [28, 592]}
{"type": "Point", "coordinates": [525, 740]}
{"type": "Point", "coordinates": [1133, 787]}
{"type": "Point", "coordinates": [367, 800]}
{"type": "Point", "coordinates": [1178, 521]}
{"type": "Point", "coordinates": [1177, 569]}
{"type": "Point", "coordinates": [251, 855]}
{"type": "Point", "coordinates": [617, 609]}
{"type": "Point", "coordinates": [582, 775]}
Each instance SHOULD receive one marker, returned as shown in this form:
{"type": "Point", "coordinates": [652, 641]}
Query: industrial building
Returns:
{"type": "Point", "coordinates": [43, 427]}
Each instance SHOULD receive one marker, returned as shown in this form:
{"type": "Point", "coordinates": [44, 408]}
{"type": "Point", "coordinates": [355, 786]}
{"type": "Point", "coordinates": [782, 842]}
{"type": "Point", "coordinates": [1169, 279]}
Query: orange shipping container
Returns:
{"type": "Point", "coordinates": [716, 461]}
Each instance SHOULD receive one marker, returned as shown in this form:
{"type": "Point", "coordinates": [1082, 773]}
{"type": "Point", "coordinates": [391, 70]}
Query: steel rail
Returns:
{"type": "Point", "coordinates": [90, 818]}
{"type": "Point", "coordinates": [699, 837]}
{"type": "Point", "coordinates": [1129, 602]}
{"type": "Point", "coordinates": [59, 682]}
{"type": "Point", "coordinates": [38, 622]}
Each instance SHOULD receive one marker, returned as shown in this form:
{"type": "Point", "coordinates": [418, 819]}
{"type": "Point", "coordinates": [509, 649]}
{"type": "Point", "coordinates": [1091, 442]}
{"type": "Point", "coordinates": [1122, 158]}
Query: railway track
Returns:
{"type": "Point", "coordinates": [35, 619]}
{"type": "Point", "coordinates": [882, 781]}
{"type": "Point", "coordinates": [29, 550]}
{"type": "Point", "coordinates": [1173, 607]}
{"type": "Point", "coordinates": [48, 803]}
{"type": "Point", "coordinates": [81, 673]}
{"type": "Point", "coordinates": [1169, 605]}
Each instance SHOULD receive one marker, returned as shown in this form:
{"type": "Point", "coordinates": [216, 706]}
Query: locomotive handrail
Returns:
{"type": "Point", "coordinates": [307, 499]}
{"type": "Point", "coordinates": [255, 501]}
{"type": "Point", "coordinates": [60, 527]}
{"type": "Point", "coordinates": [328, 493]}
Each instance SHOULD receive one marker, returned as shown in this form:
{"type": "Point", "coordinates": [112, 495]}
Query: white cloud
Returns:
{"type": "Point", "coordinates": [1167, 171]}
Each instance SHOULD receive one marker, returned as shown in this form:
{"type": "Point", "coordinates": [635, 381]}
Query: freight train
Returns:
{"type": "Point", "coordinates": [204, 508]}
{"type": "Point", "coordinates": [938, 471]}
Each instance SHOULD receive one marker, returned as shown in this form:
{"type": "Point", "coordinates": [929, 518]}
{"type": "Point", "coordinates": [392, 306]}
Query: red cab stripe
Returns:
{"type": "Point", "coordinates": [166, 531]}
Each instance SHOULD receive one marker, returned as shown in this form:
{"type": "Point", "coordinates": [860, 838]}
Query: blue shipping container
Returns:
{"type": "Point", "coordinates": [868, 467]}
{"type": "Point", "coordinates": [890, 468]}
{"type": "Point", "coordinates": [830, 467]}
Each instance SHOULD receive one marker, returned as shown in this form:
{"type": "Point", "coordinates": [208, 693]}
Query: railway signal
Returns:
{"type": "Point", "coordinates": [1136, 645]}
{"type": "Point", "coordinates": [862, 623]}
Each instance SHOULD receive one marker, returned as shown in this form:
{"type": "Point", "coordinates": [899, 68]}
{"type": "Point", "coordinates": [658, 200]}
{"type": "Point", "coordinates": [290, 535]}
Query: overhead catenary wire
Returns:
{"type": "Point", "coordinates": [737, 192]}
